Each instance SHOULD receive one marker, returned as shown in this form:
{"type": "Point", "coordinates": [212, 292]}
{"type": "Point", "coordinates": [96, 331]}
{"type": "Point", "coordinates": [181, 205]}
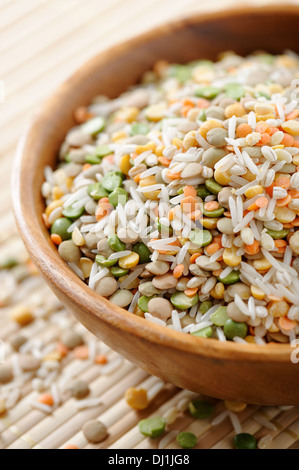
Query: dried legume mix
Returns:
{"type": "Point", "coordinates": [179, 200]}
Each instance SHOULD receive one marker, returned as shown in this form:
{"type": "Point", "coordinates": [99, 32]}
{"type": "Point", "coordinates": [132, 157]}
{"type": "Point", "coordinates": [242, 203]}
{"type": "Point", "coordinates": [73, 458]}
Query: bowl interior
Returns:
{"type": "Point", "coordinates": [202, 36]}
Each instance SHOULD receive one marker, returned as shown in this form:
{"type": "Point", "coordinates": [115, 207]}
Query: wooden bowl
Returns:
{"type": "Point", "coordinates": [247, 373]}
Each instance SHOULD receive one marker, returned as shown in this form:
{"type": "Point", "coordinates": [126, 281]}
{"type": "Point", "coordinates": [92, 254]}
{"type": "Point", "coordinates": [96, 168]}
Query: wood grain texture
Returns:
{"type": "Point", "coordinates": [250, 373]}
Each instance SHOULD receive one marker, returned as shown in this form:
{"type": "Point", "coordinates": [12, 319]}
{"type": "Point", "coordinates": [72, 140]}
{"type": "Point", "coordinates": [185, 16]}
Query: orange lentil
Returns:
{"type": "Point", "coordinates": [261, 202]}
{"type": "Point", "coordinates": [185, 110]}
{"type": "Point", "coordinates": [262, 127]}
{"type": "Point", "coordinates": [218, 239]}
{"type": "Point", "coordinates": [62, 349]}
{"type": "Point", "coordinates": [46, 399]}
{"type": "Point", "coordinates": [212, 205]}
{"type": "Point", "coordinates": [109, 158]}
{"type": "Point", "coordinates": [252, 249]}
{"type": "Point", "coordinates": [286, 324]}
{"type": "Point", "coordinates": [284, 201]}
{"type": "Point", "coordinates": [195, 215]}
{"type": "Point", "coordinates": [137, 178]}
{"type": "Point", "coordinates": [178, 271]}
{"type": "Point", "coordinates": [212, 248]}
{"type": "Point", "coordinates": [265, 139]}
{"type": "Point", "coordinates": [295, 222]}
{"type": "Point", "coordinates": [227, 214]}
{"type": "Point", "coordinates": [56, 239]}
{"type": "Point", "coordinates": [190, 191]}
{"type": "Point", "coordinates": [171, 214]}
{"type": "Point", "coordinates": [81, 352]}
{"type": "Point", "coordinates": [100, 359]}
{"type": "Point", "coordinates": [71, 446]}
{"type": "Point", "coordinates": [217, 272]}
{"type": "Point", "coordinates": [189, 204]}
{"type": "Point", "coordinates": [273, 130]}
{"type": "Point", "coordinates": [188, 102]}
{"type": "Point", "coordinates": [243, 130]}
{"type": "Point", "coordinates": [164, 161]}
{"type": "Point", "coordinates": [294, 193]}
{"type": "Point", "coordinates": [173, 176]}
{"type": "Point", "coordinates": [82, 114]}
{"type": "Point", "coordinates": [296, 144]}
{"type": "Point", "coordinates": [103, 199]}
{"type": "Point", "coordinates": [194, 257]}
{"type": "Point", "coordinates": [103, 209]}
{"type": "Point", "coordinates": [164, 252]}
{"type": "Point", "coordinates": [202, 103]}
{"type": "Point", "coordinates": [191, 292]}
{"type": "Point", "coordinates": [86, 166]}
{"type": "Point", "coordinates": [283, 182]}
{"type": "Point", "coordinates": [280, 243]}
{"type": "Point", "coordinates": [288, 140]}
{"type": "Point", "coordinates": [269, 189]}
{"type": "Point", "coordinates": [252, 207]}
{"type": "Point", "coordinates": [292, 115]}
{"type": "Point", "coordinates": [288, 225]}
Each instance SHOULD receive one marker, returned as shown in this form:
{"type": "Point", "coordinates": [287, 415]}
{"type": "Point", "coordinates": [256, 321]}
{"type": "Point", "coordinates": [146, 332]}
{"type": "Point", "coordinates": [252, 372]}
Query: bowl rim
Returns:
{"type": "Point", "coordinates": [65, 280]}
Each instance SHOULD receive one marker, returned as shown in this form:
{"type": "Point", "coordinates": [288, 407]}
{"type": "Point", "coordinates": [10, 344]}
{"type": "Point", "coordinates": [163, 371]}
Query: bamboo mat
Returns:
{"type": "Point", "coordinates": [41, 43]}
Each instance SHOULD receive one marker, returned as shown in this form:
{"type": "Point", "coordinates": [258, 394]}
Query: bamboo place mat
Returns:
{"type": "Point", "coordinates": [41, 43]}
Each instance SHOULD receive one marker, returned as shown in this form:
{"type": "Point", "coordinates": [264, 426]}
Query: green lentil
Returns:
{"type": "Point", "coordinates": [107, 263]}
{"type": "Point", "coordinates": [96, 191]}
{"type": "Point", "coordinates": [92, 159]}
{"type": "Point", "coordinates": [187, 440]}
{"type": "Point", "coordinates": [200, 237]}
{"type": "Point", "coordinates": [202, 115]}
{"type": "Point", "coordinates": [152, 427]}
{"type": "Point", "coordinates": [60, 227]}
{"type": "Point", "coordinates": [182, 301]}
{"type": "Point", "coordinates": [259, 94]}
{"type": "Point", "coordinates": [102, 151]}
{"type": "Point", "coordinates": [143, 251]}
{"type": "Point", "coordinates": [234, 91]}
{"type": "Point", "coordinates": [207, 92]}
{"type": "Point", "coordinates": [201, 409]}
{"type": "Point", "coordinates": [205, 306]}
{"type": "Point", "coordinates": [118, 196]}
{"type": "Point", "coordinates": [163, 229]}
{"type": "Point", "coordinates": [118, 272]}
{"type": "Point", "coordinates": [139, 128]}
{"type": "Point", "coordinates": [112, 180]}
{"type": "Point", "coordinates": [202, 191]}
{"type": "Point", "coordinates": [212, 186]}
{"type": "Point", "coordinates": [231, 278]}
{"type": "Point", "coordinates": [220, 316]}
{"type": "Point", "coordinates": [232, 329]}
{"type": "Point", "coordinates": [245, 441]}
{"type": "Point", "coordinates": [278, 234]}
{"type": "Point", "coordinates": [181, 72]}
{"type": "Point", "coordinates": [93, 126]}
{"type": "Point", "coordinates": [215, 213]}
{"type": "Point", "coordinates": [8, 263]}
{"type": "Point", "coordinates": [72, 212]}
{"type": "Point", "coordinates": [143, 302]}
{"type": "Point", "coordinates": [116, 244]}
{"type": "Point", "coordinates": [203, 333]}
